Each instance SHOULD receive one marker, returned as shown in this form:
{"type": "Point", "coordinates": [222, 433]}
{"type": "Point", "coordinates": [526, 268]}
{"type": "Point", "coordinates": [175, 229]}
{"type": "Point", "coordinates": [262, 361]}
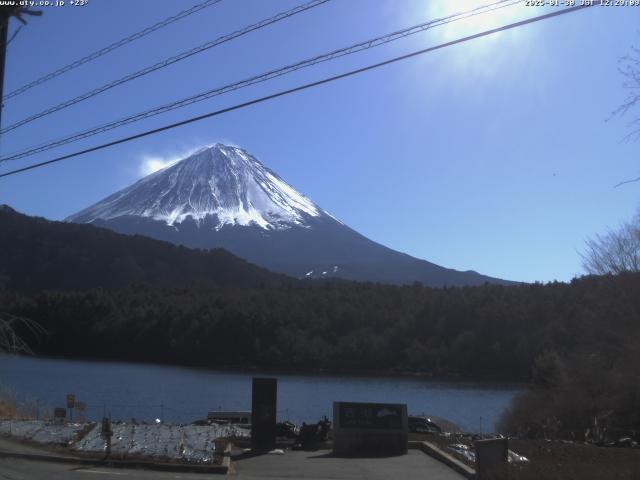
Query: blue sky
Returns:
{"type": "Point", "coordinates": [495, 155]}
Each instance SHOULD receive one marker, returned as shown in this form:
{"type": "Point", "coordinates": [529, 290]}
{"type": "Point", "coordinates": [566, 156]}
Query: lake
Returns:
{"type": "Point", "coordinates": [183, 394]}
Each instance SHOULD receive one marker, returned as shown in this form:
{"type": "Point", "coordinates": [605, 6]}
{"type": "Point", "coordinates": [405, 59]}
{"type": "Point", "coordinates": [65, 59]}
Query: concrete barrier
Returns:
{"type": "Point", "coordinates": [370, 429]}
{"type": "Point", "coordinates": [439, 454]}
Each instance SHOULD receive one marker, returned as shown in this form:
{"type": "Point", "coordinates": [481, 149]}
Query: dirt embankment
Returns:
{"type": "Point", "coordinates": [575, 461]}
{"type": "Point", "coordinates": [557, 460]}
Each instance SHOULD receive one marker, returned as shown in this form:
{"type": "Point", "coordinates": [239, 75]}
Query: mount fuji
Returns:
{"type": "Point", "coordinates": [222, 196]}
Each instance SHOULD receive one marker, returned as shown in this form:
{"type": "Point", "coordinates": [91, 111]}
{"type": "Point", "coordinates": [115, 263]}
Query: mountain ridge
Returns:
{"type": "Point", "coordinates": [219, 181]}
{"type": "Point", "coordinates": [223, 197]}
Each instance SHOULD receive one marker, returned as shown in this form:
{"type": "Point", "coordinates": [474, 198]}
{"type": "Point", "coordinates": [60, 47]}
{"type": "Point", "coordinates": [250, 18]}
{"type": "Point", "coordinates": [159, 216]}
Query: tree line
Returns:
{"type": "Point", "coordinates": [490, 332]}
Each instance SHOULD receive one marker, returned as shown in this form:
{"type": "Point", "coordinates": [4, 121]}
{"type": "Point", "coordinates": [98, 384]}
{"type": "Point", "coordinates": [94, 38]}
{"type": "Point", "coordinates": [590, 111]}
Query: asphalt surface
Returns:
{"type": "Point", "coordinates": [318, 465]}
{"type": "Point", "coordinates": [7, 445]}
{"type": "Point", "coordinates": [291, 465]}
{"type": "Point", "coordinates": [321, 465]}
{"type": "Point", "coordinates": [21, 469]}
{"type": "Point", "coordinates": [12, 469]}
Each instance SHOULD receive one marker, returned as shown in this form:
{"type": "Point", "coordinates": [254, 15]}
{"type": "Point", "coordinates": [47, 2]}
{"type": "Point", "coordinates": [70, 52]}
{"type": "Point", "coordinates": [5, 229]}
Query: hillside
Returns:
{"type": "Point", "coordinates": [37, 254]}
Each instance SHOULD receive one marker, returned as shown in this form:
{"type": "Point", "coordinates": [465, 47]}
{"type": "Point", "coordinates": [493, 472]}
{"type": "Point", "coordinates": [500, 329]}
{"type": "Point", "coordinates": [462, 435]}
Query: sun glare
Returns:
{"type": "Point", "coordinates": [474, 21]}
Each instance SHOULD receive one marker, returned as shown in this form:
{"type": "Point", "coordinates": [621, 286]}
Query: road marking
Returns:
{"type": "Point", "coordinates": [102, 472]}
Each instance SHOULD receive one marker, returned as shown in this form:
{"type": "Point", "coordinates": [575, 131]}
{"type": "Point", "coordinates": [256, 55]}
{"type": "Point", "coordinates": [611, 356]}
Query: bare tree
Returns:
{"type": "Point", "coordinates": [615, 252]}
{"type": "Point", "coordinates": [630, 70]}
{"type": "Point", "coordinates": [10, 341]}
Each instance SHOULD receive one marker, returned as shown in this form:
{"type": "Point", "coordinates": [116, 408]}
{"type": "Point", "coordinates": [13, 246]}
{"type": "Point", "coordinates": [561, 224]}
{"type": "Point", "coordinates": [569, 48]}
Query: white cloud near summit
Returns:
{"type": "Point", "coordinates": [150, 165]}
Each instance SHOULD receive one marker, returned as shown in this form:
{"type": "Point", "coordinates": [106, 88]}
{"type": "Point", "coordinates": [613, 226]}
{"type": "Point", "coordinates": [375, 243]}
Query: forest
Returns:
{"type": "Point", "coordinates": [491, 332]}
{"type": "Point", "coordinates": [97, 294]}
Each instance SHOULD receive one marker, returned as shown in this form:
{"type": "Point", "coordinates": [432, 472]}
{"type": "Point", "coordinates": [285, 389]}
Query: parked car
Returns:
{"type": "Point", "coordinates": [287, 429]}
{"type": "Point", "coordinates": [423, 425]}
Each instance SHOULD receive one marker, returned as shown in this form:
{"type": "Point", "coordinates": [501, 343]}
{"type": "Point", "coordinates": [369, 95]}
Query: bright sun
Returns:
{"type": "Point", "coordinates": [485, 19]}
{"type": "Point", "coordinates": [484, 55]}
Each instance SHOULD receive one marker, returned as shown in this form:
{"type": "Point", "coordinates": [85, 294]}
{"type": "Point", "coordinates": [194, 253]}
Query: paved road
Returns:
{"type": "Point", "coordinates": [291, 465]}
{"type": "Point", "coordinates": [320, 465]}
{"type": "Point", "coordinates": [19, 469]}
{"type": "Point", "coordinates": [7, 445]}
{"type": "Point", "coordinates": [323, 466]}
{"type": "Point", "coordinates": [12, 469]}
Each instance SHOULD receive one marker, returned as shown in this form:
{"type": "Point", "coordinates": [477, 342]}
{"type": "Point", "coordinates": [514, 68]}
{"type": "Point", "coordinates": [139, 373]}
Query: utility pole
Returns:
{"type": "Point", "coordinates": [6, 12]}
{"type": "Point", "coordinates": [4, 37]}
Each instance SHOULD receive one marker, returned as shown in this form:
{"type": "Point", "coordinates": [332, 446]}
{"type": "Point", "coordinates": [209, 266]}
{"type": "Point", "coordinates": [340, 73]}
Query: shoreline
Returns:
{"type": "Point", "coordinates": [495, 381]}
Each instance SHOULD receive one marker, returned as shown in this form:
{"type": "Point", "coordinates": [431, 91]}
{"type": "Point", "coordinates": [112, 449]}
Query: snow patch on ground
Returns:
{"type": "Point", "coordinates": [41, 431]}
{"type": "Point", "coordinates": [177, 442]}
{"type": "Point", "coordinates": [189, 443]}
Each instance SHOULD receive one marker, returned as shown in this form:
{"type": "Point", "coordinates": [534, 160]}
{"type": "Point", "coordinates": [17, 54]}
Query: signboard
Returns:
{"type": "Point", "coordinates": [370, 428]}
{"type": "Point", "coordinates": [491, 456]}
{"type": "Point", "coordinates": [370, 415]}
{"type": "Point", "coordinates": [59, 413]}
{"type": "Point", "coordinates": [263, 413]}
{"type": "Point", "coordinates": [71, 400]}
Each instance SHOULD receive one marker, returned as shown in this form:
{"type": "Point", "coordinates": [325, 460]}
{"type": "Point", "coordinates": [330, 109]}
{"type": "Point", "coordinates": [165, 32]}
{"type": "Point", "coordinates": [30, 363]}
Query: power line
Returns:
{"type": "Point", "coordinates": [112, 47]}
{"type": "Point", "coordinates": [301, 87]}
{"type": "Point", "coordinates": [263, 77]}
{"type": "Point", "coordinates": [12, 37]}
{"type": "Point", "coordinates": [169, 61]}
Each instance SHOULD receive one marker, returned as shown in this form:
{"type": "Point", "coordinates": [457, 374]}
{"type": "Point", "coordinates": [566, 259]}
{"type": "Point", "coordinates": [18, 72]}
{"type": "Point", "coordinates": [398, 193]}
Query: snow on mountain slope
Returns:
{"type": "Point", "coordinates": [221, 196]}
{"type": "Point", "coordinates": [222, 182]}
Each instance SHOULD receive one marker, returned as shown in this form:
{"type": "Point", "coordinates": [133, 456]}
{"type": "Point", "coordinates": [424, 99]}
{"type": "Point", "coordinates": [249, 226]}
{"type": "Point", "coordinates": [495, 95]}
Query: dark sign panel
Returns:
{"type": "Point", "coordinates": [370, 415]}
{"type": "Point", "coordinates": [263, 413]}
{"type": "Point", "coordinates": [370, 428]}
{"type": "Point", "coordinates": [71, 400]}
{"type": "Point", "coordinates": [491, 455]}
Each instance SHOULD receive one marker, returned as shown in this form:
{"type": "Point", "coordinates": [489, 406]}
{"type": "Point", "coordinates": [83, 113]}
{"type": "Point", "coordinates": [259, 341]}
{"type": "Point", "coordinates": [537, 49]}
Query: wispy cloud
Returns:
{"type": "Point", "coordinates": [150, 164]}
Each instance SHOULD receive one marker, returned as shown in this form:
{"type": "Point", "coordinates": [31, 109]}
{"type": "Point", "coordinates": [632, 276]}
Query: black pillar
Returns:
{"type": "Point", "coordinates": [263, 413]}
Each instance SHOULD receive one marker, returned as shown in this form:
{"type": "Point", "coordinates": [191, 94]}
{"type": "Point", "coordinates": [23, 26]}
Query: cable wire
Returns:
{"type": "Point", "coordinates": [112, 47]}
{"type": "Point", "coordinates": [169, 61]}
{"type": "Point", "coordinates": [263, 77]}
{"type": "Point", "coordinates": [12, 37]}
{"type": "Point", "coordinates": [301, 87]}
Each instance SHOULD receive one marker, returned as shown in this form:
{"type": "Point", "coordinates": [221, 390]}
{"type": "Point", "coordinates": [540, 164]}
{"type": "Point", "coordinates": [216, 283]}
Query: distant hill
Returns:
{"type": "Point", "coordinates": [37, 254]}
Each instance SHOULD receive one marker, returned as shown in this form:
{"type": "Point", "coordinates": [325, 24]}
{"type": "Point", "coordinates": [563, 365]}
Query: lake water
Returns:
{"type": "Point", "coordinates": [181, 394]}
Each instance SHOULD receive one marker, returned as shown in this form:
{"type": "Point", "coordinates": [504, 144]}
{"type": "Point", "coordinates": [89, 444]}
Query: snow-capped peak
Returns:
{"type": "Point", "coordinates": [220, 182]}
